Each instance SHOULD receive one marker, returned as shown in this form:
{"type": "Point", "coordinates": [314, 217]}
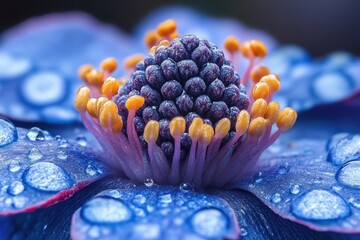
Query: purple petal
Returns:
{"type": "Point", "coordinates": [301, 185]}
{"type": "Point", "coordinates": [152, 212]}
{"type": "Point", "coordinates": [38, 170]}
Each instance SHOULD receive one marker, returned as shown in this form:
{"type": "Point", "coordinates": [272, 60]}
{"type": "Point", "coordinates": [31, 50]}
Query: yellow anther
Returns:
{"type": "Point", "coordinates": [257, 127]}
{"type": "Point", "coordinates": [151, 39]}
{"type": "Point", "coordinates": [82, 98]}
{"type": "Point", "coordinates": [174, 35]}
{"type": "Point", "coordinates": [166, 28]}
{"type": "Point", "coordinates": [246, 51]}
{"type": "Point", "coordinates": [272, 113]}
{"type": "Point", "coordinates": [222, 128]}
{"type": "Point", "coordinates": [91, 107]}
{"type": "Point", "coordinates": [207, 133]}
{"type": "Point", "coordinates": [130, 62]}
{"type": "Point", "coordinates": [110, 87]}
{"type": "Point", "coordinates": [84, 70]}
{"type": "Point", "coordinates": [99, 104]}
{"type": "Point", "coordinates": [195, 128]}
{"type": "Point", "coordinates": [151, 131]}
{"type": "Point", "coordinates": [258, 48]}
{"type": "Point", "coordinates": [242, 122]}
{"type": "Point", "coordinates": [164, 43]}
{"type": "Point", "coordinates": [258, 73]}
{"type": "Point", "coordinates": [177, 126]}
{"type": "Point", "coordinates": [287, 118]}
{"type": "Point", "coordinates": [261, 90]}
{"type": "Point", "coordinates": [134, 102]}
{"type": "Point", "coordinates": [272, 81]}
{"type": "Point", "coordinates": [259, 107]}
{"type": "Point", "coordinates": [109, 117]}
{"type": "Point", "coordinates": [153, 50]}
{"type": "Point", "coordinates": [232, 44]}
{"type": "Point", "coordinates": [95, 78]}
{"type": "Point", "coordinates": [109, 65]}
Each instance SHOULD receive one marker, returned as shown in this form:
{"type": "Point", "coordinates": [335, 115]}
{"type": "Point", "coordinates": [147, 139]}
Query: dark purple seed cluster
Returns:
{"type": "Point", "coordinates": [191, 78]}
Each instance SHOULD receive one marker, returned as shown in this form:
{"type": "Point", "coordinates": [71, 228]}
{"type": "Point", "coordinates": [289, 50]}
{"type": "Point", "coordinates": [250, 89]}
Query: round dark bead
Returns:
{"type": "Point", "coordinates": [216, 90]}
{"type": "Point", "coordinates": [152, 97]}
{"type": "Point", "coordinates": [201, 55]}
{"type": "Point", "coordinates": [141, 109]}
{"type": "Point", "coordinates": [195, 86]}
{"type": "Point", "coordinates": [138, 79]}
{"type": "Point", "coordinates": [217, 111]}
{"type": "Point", "coordinates": [242, 89]}
{"type": "Point", "coordinates": [204, 41]}
{"type": "Point", "coordinates": [150, 113]}
{"type": "Point", "coordinates": [185, 141]}
{"type": "Point", "coordinates": [217, 57]}
{"type": "Point", "coordinates": [154, 76]}
{"type": "Point", "coordinates": [164, 129]}
{"type": "Point", "coordinates": [243, 102]}
{"type": "Point", "coordinates": [149, 60]}
{"type": "Point", "coordinates": [231, 95]}
{"type": "Point", "coordinates": [169, 69]}
{"type": "Point", "coordinates": [209, 72]}
{"type": "Point", "coordinates": [139, 125]}
{"type": "Point", "coordinates": [120, 101]}
{"type": "Point", "coordinates": [168, 149]}
{"type": "Point", "coordinates": [236, 79]}
{"type": "Point", "coordinates": [140, 66]}
{"type": "Point", "coordinates": [171, 90]}
{"type": "Point", "coordinates": [168, 109]}
{"type": "Point", "coordinates": [177, 51]}
{"type": "Point", "coordinates": [189, 118]}
{"type": "Point", "coordinates": [228, 62]}
{"type": "Point", "coordinates": [187, 69]}
{"type": "Point", "coordinates": [233, 113]}
{"type": "Point", "coordinates": [202, 104]}
{"type": "Point", "coordinates": [133, 93]}
{"type": "Point", "coordinates": [226, 74]}
{"type": "Point", "coordinates": [190, 42]}
{"type": "Point", "coordinates": [128, 87]}
{"type": "Point", "coordinates": [208, 121]}
{"type": "Point", "coordinates": [184, 103]}
{"type": "Point", "coordinates": [160, 55]}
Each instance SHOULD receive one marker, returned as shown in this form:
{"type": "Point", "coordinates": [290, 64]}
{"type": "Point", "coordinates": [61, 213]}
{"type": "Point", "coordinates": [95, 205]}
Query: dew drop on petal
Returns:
{"type": "Point", "coordinates": [139, 199]}
{"type": "Point", "coordinates": [349, 174]}
{"type": "Point", "coordinates": [345, 150]}
{"type": "Point", "coordinates": [82, 141]}
{"type": "Point", "coordinates": [14, 166]}
{"type": "Point", "coordinates": [47, 176]}
{"type": "Point", "coordinates": [283, 169]}
{"type": "Point", "coordinates": [35, 154]}
{"type": "Point", "coordinates": [16, 188]}
{"type": "Point", "coordinates": [294, 189]}
{"type": "Point", "coordinates": [106, 210]}
{"type": "Point", "coordinates": [243, 231]}
{"type": "Point", "coordinates": [149, 182]}
{"type": "Point", "coordinates": [35, 134]}
{"type": "Point", "coordinates": [19, 201]}
{"type": "Point", "coordinates": [63, 143]}
{"type": "Point", "coordinates": [8, 132]}
{"type": "Point", "coordinates": [166, 198]}
{"type": "Point", "coordinates": [276, 198]}
{"type": "Point", "coordinates": [62, 155]}
{"type": "Point", "coordinates": [91, 170]}
{"type": "Point", "coordinates": [319, 205]}
{"type": "Point", "coordinates": [355, 202]}
{"type": "Point", "coordinates": [186, 187]}
{"type": "Point", "coordinates": [209, 222]}
{"type": "Point", "coordinates": [335, 139]}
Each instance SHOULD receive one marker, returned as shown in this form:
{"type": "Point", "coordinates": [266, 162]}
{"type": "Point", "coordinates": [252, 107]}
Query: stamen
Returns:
{"type": "Point", "coordinates": [84, 70]}
{"type": "Point", "coordinates": [259, 72]}
{"type": "Point", "coordinates": [258, 49]}
{"type": "Point", "coordinates": [109, 117]}
{"type": "Point", "coordinates": [272, 113]}
{"type": "Point", "coordinates": [91, 107]}
{"type": "Point", "coordinates": [130, 62]}
{"type": "Point", "coordinates": [109, 65]}
{"type": "Point", "coordinates": [177, 128]}
{"type": "Point", "coordinates": [258, 109]}
{"type": "Point", "coordinates": [151, 39]}
{"type": "Point", "coordinates": [166, 28]}
{"type": "Point", "coordinates": [110, 87]}
{"type": "Point", "coordinates": [287, 118]}
{"type": "Point", "coordinates": [257, 127]}
{"type": "Point", "coordinates": [261, 90]}
{"type": "Point", "coordinates": [273, 84]}
{"type": "Point", "coordinates": [135, 102]}
{"type": "Point", "coordinates": [99, 104]}
{"type": "Point", "coordinates": [95, 78]}
{"type": "Point", "coordinates": [82, 98]}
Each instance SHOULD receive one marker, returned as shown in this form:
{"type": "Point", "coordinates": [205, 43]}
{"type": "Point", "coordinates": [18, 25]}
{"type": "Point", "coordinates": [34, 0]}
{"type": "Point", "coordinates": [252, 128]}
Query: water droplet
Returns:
{"type": "Point", "coordinates": [15, 188]}
{"type": "Point", "coordinates": [81, 140]}
{"type": "Point", "coordinates": [34, 154]}
{"type": "Point", "coordinates": [92, 170]}
{"type": "Point", "coordinates": [210, 223]}
{"type": "Point", "coordinates": [336, 188]}
{"type": "Point", "coordinates": [19, 201]}
{"type": "Point", "coordinates": [345, 150]}
{"type": "Point", "coordinates": [58, 138]}
{"type": "Point", "coordinates": [8, 132]}
{"type": "Point", "coordinates": [283, 169]}
{"type": "Point", "coordinates": [331, 86]}
{"type": "Point", "coordinates": [243, 231]}
{"type": "Point", "coordinates": [165, 198]}
{"type": "Point", "coordinates": [102, 210]}
{"type": "Point", "coordinates": [47, 176]}
{"type": "Point", "coordinates": [14, 166]}
{"type": "Point", "coordinates": [35, 134]}
{"type": "Point", "coordinates": [355, 202]}
{"type": "Point", "coordinates": [275, 198]}
{"type": "Point", "coordinates": [318, 180]}
{"type": "Point", "coordinates": [139, 199]}
{"type": "Point", "coordinates": [258, 177]}
{"type": "Point", "coordinates": [320, 205]}
{"type": "Point", "coordinates": [62, 155]}
{"type": "Point", "coordinates": [149, 182]}
{"type": "Point", "coordinates": [335, 139]}
{"type": "Point", "coordinates": [349, 174]}
{"type": "Point", "coordinates": [295, 189]}
{"type": "Point", "coordinates": [63, 143]}
{"type": "Point", "coordinates": [186, 187]}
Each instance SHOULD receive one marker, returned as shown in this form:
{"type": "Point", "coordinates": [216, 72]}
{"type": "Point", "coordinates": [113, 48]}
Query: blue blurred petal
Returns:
{"type": "Point", "coordinates": [301, 185]}
{"type": "Point", "coordinates": [154, 213]}
{"type": "Point", "coordinates": [37, 170]}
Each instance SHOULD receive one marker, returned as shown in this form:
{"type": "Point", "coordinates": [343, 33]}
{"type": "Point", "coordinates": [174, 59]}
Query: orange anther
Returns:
{"type": "Point", "coordinates": [258, 73]}
{"type": "Point", "coordinates": [134, 102]}
{"type": "Point", "coordinates": [195, 128]}
{"type": "Point", "coordinates": [109, 65]}
{"type": "Point", "coordinates": [99, 104]}
{"type": "Point", "coordinates": [82, 98]}
{"type": "Point", "coordinates": [84, 70]}
{"type": "Point", "coordinates": [110, 87]}
{"type": "Point", "coordinates": [130, 62]}
{"type": "Point", "coordinates": [232, 44]}
{"type": "Point", "coordinates": [109, 117]}
{"type": "Point", "coordinates": [257, 127]}
{"type": "Point", "coordinates": [166, 28]}
{"type": "Point", "coordinates": [242, 122]}
{"type": "Point", "coordinates": [151, 39]}
{"type": "Point", "coordinates": [174, 35]}
{"type": "Point", "coordinates": [222, 128]}
{"type": "Point", "coordinates": [258, 109]}
{"type": "Point", "coordinates": [151, 131]}
{"type": "Point", "coordinates": [258, 48]}
{"type": "Point", "coordinates": [272, 81]}
{"type": "Point", "coordinates": [261, 90]}
{"type": "Point", "coordinates": [177, 126]}
{"type": "Point", "coordinates": [91, 107]}
{"type": "Point", "coordinates": [95, 78]}
{"type": "Point", "coordinates": [272, 113]}
{"type": "Point", "coordinates": [207, 133]}
{"type": "Point", "coordinates": [287, 118]}
{"type": "Point", "coordinates": [246, 50]}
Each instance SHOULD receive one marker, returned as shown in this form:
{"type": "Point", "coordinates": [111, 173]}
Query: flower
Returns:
{"type": "Point", "coordinates": [325, 202]}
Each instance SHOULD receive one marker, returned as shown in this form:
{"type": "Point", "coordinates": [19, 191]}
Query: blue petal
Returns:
{"type": "Point", "coordinates": [301, 185]}
{"type": "Point", "coordinates": [37, 170]}
{"type": "Point", "coordinates": [154, 213]}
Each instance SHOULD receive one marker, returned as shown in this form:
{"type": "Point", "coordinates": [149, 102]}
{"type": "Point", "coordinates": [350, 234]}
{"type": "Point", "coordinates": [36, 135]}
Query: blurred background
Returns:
{"type": "Point", "coordinates": [320, 26]}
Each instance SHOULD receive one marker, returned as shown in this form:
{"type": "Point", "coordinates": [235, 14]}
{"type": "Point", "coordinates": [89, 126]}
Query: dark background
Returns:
{"type": "Point", "coordinates": [321, 26]}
